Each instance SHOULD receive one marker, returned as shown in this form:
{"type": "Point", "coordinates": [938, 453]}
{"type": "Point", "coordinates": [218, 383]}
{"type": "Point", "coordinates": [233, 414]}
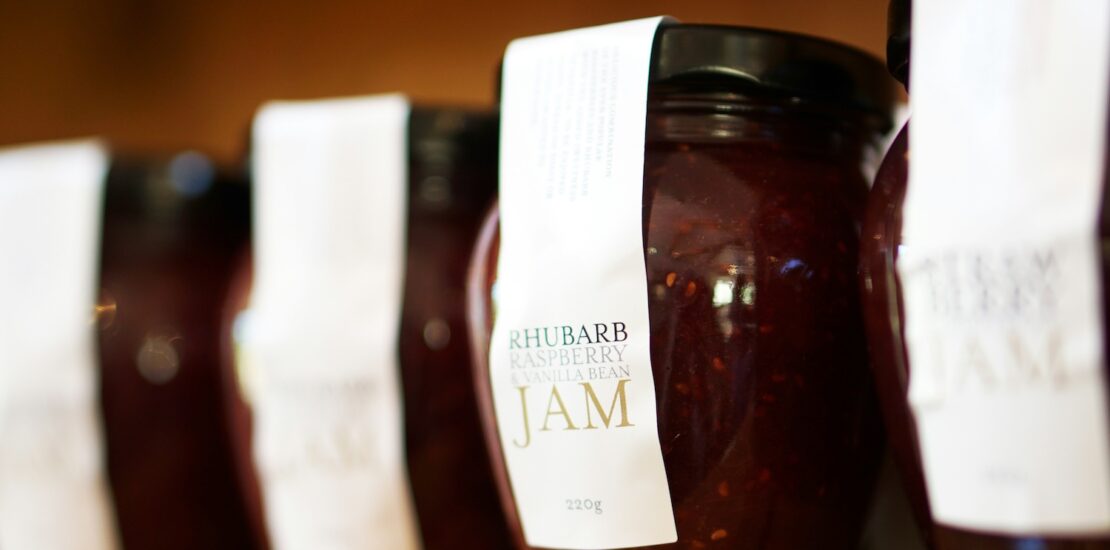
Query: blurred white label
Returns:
{"type": "Point", "coordinates": [1000, 266]}
{"type": "Point", "coordinates": [321, 337]}
{"type": "Point", "coordinates": [53, 490]}
{"type": "Point", "coordinates": [570, 366]}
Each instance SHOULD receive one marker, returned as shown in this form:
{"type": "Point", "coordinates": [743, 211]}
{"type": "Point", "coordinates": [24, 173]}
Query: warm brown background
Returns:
{"type": "Point", "coordinates": [157, 75]}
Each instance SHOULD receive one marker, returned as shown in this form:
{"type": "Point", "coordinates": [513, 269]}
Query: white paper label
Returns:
{"type": "Point", "coordinates": [330, 192]}
{"type": "Point", "coordinates": [570, 366]}
{"type": "Point", "coordinates": [1001, 263]}
{"type": "Point", "coordinates": [53, 490]}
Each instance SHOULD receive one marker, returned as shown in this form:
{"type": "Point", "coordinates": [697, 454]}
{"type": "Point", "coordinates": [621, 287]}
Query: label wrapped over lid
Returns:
{"type": "Point", "coordinates": [321, 332]}
{"type": "Point", "coordinates": [53, 491]}
{"type": "Point", "coordinates": [1000, 265]}
{"type": "Point", "coordinates": [570, 367]}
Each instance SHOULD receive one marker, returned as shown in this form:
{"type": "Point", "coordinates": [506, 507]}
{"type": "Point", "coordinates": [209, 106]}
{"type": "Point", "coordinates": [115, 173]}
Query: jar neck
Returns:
{"type": "Point", "coordinates": [725, 117]}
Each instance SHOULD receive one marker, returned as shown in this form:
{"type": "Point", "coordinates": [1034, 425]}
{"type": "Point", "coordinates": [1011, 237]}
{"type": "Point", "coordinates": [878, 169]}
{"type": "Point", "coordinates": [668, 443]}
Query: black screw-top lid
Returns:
{"type": "Point", "coordinates": [452, 157]}
{"type": "Point", "coordinates": [440, 134]}
{"type": "Point", "coordinates": [760, 62]}
{"type": "Point", "coordinates": [898, 40]}
{"type": "Point", "coordinates": [161, 188]}
{"type": "Point", "coordinates": [152, 202]}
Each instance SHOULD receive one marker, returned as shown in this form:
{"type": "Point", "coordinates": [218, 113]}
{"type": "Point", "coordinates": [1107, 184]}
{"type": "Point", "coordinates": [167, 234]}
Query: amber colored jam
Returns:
{"type": "Point", "coordinates": [451, 181]}
{"type": "Point", "coordinates": [168, 251]}
{"type": "Point", "coordinates": [767, 418]}
{"type": "Point", "coordinates": [882, 295]}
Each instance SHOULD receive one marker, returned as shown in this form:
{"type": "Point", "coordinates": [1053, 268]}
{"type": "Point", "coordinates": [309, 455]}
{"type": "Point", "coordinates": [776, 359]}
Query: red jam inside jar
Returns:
{"type": "Point", "coordinates": [753, 192]}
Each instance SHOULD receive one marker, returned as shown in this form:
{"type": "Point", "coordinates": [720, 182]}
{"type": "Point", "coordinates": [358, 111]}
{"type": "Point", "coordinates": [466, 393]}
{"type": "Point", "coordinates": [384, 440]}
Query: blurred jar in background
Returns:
{"type": "Point", "coordinates": [972, 398]}
{"type": "Point", "coordinates": [451, 181]}
{"type": "Point", "coordinates": [752, 195]}
{"type": "Point", "coordinates": [172, 228]}
{"type": "Point", "coordinates": [878, 250]}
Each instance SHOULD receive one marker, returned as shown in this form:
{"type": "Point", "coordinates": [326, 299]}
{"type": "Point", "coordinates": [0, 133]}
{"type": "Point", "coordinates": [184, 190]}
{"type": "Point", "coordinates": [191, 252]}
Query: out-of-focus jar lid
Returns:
{"type": "Point", "coordinates": [764, 63]}
{"type": "Point", "coordinates": [165, 193]}
{"type": "Point", "coordinates": [898, 40]}
{"type": "Point", "coordinates": [449, 134]}
{"type": "Point", "coordinates": [452, 156]}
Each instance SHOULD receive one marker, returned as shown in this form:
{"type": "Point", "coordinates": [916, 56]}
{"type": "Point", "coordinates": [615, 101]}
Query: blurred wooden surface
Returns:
{"type": "Point", "coordinates": [155, 75]}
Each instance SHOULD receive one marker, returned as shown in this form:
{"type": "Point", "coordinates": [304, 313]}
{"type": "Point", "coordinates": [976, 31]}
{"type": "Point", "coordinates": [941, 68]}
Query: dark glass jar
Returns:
{"type": "Point", "coordinates": [171, 232]}
{"type": "Point", "coordinates": [452, 175]}
{"type": "Point", "coordinates": [883, 307]}
{"type": "Point", "coordinates": [753, 192]}
{"type": "Point", "coordinates": [452, 163]}
{"type": "Point", "coordinates": [882, 229]}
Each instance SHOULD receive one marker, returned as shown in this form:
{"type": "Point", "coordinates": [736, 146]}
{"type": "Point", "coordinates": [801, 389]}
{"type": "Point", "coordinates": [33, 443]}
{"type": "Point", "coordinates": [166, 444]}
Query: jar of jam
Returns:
{"type": "Point", "coordinates": [878, 249]}
{"type": "Point", "coordinates": [452, 161]}
{"type": "Point", "coordinates": [883, 298]}
{"type": "Point", "coordinates": [752, 195]}
{"type": "Point", "coordinates": [172, 229]}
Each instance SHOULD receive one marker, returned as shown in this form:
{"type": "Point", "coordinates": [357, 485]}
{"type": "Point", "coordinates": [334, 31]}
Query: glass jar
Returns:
{"type": "Point", "coordinates": [452, 172]}
{"type": "Point", "coordinates": [753, 191]}
{"type": "Point", "coordinates": [884, 314]}
{"type": "Point", "coordinates": [171, 231]}
{"type": "Point", "coordinates": [878, 250]}
{"type": "Point", "coordinates": [452, 167]}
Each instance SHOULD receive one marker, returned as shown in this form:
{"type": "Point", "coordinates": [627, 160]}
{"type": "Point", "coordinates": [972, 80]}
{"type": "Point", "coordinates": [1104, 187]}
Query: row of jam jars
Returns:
{"type": "Point", "coordinates": [173, 235]}
{"type": "Point", "coordinates": [451, 165]}
{"type": "Point", "coordinates": [754, 189]}
{"type": "Point", "coordinates": [883, 298]}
